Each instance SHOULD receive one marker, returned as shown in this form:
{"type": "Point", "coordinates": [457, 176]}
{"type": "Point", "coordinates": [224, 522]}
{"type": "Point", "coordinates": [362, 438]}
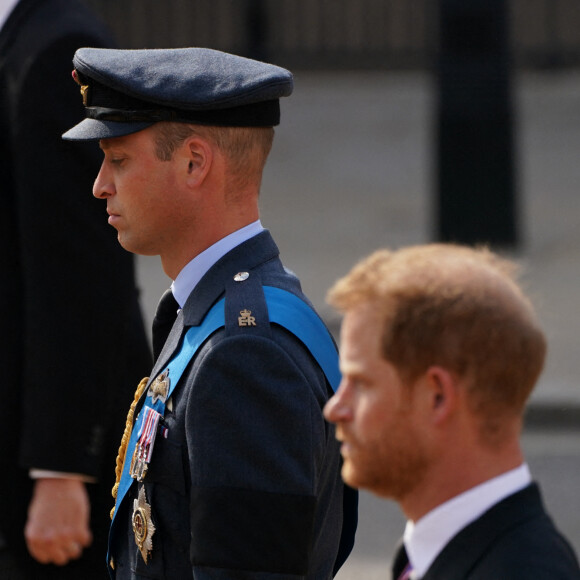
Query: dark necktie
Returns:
{"type": "Point", "coordinates": [163, 321]}
{"type": "Point", "coordinates": [406, 573]}
{"type": "Point", "coordinates": [401, 567]}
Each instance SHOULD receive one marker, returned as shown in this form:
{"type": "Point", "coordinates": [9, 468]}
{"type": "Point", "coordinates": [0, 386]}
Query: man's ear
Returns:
{"type": "Point", "coordinates": [440, 390]}
{"type": "Point", "coordinates": [198, 155]}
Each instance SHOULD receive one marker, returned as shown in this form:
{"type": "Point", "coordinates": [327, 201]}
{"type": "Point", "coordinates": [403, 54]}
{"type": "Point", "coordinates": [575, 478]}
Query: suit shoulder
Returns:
{"type": "Point", "coordinates": [532, 550]}
{"type": "Point", "coordinates": [43, 26]}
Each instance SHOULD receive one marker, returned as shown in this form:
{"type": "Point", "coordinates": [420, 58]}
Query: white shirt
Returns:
{"type": "Point", "coordinates": [6, 7]}
{"type": "Point", "coordinates": [426, 538]}
{"type": "Point", "coordinates": [195, 270]}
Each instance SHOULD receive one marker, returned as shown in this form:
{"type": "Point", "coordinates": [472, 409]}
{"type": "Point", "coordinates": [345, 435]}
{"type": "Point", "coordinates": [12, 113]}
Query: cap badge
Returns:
{"type": "Point", "coordinates": [84, 88]}
{"type": "Point", "coordinates": [143, 527]}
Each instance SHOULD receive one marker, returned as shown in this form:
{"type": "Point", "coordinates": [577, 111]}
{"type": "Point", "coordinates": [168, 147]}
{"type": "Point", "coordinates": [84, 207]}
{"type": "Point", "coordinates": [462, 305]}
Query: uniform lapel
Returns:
{"type": "Point", "coordinates": [170, 347]}
{"type": "Point", "coordinates": [211, 288]}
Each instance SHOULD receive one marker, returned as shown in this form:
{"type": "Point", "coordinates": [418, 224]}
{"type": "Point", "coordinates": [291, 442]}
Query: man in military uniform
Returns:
{"type": "Point", "coordinates": [229, 469]}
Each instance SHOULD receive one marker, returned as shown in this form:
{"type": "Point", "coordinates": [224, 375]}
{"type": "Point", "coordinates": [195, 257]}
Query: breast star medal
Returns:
{"type": "Point", "coordinates": [143, 527]}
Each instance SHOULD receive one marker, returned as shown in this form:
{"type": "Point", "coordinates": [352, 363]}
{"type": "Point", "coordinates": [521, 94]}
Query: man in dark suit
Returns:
{"type": "Point", "coordinates": [229, 470]}
{"type": "Point", "coordinates": [73, 339]}
{"type": "Point", "coordinates": [440, 350]}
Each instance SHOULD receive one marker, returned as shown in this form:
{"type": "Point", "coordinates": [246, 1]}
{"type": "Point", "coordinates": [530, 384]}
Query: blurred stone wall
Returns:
{"type": "Point", "coordinates": [354, 34]}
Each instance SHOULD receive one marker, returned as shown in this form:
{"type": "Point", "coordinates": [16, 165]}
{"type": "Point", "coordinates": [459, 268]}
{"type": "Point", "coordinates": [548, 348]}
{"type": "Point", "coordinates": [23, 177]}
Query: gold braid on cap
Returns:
{"type": "Point", "coordinates": [125, 440]}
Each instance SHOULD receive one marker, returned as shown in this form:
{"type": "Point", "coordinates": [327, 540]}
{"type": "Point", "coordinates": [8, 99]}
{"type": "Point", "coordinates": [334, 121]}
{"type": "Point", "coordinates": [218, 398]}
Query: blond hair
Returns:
{"type": "Point", "coordinates": [245, 148]}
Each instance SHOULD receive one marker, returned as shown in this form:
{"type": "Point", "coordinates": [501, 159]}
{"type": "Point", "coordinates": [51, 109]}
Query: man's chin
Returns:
{"type": "Point", "coordinates": [349, 475]}
{"type": "Point", "coordinates": [128, 243]}
{"type": "Point", "coordinates": [131, 248]}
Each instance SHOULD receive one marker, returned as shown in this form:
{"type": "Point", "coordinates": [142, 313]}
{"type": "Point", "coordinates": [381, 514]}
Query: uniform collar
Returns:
{"type": "Point", "coordinates": [244, 257]}
{"type": "Point", "coordinates": [195, 270]}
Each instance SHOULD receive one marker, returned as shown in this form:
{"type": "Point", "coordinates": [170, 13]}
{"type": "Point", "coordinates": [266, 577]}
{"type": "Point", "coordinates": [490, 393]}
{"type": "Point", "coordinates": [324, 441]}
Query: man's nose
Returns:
{"type": "Point", "coordinates": [337, 408]}
{"type": "Point", "coordinates": [103, 186]}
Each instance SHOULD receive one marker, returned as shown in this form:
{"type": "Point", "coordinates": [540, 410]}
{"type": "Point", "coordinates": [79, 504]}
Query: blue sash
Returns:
{"type": "Point", "coordinates": [285, 309]}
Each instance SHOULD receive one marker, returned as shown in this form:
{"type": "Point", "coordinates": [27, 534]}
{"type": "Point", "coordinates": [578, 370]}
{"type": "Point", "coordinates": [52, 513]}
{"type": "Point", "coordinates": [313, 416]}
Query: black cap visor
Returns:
{"type": "Point", "coordinates": [95, 129]}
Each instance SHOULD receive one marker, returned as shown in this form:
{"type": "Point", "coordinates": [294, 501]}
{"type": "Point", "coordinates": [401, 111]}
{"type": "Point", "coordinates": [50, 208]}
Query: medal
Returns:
{"type": "Point", "coordinates": [143, 527]}
{"type": "Point", "coordinates": [159, 387]}
{"type": "Point", "coordinates": [144, 446]}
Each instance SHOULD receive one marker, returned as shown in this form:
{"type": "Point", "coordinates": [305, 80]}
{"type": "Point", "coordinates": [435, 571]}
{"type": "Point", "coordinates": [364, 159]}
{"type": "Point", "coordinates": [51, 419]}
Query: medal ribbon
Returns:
{"type": "Point", "coordinates": [146, 435]}
{"type": "Point", "coordinates": [145, 440]}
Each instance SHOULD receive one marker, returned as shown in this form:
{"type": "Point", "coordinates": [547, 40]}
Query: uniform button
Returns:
{"type": "Point", "coordinates": [241, 276]}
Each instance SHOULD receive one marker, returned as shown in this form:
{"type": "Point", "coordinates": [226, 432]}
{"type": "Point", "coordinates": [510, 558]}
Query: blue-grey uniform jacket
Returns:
{"type": "Point", "coordinates": [247, 482]}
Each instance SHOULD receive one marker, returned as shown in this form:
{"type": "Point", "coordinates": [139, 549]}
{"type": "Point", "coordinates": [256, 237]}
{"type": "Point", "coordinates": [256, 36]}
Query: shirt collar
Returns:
{"type": "Point", "coordinates": [6, 7]}
{"type": "Point", "coordinates": [426, 538]}
{"type": "Point", "coordinates": [194, 271]}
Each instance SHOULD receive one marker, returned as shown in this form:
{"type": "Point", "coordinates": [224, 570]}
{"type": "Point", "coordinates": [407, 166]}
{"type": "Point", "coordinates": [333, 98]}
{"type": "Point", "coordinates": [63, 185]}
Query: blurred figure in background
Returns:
{"type": "Point", "coordinates": [73, 339]}
{"type": "Point", "coordinates": [440, 350]}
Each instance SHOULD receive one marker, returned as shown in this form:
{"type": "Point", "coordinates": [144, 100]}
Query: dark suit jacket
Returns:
{"type": "Point", "coordinates": [514, 540]}
{"type": "Point", "coordinates": [247, 483]}
{"type": "Point", "coordinates": [73, 342]}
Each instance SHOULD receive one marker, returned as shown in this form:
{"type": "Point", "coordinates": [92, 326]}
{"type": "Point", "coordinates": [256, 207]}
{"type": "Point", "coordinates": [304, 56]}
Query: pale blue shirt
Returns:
{"type": "Point", "coordinates": [426, 538]}
{"type": "Point", "coordinates": [195, 270]}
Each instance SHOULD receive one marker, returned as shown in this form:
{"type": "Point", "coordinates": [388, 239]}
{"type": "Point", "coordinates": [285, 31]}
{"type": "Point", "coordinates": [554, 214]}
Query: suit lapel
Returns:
{"type": "Point", "coordinates": [465, 550]}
